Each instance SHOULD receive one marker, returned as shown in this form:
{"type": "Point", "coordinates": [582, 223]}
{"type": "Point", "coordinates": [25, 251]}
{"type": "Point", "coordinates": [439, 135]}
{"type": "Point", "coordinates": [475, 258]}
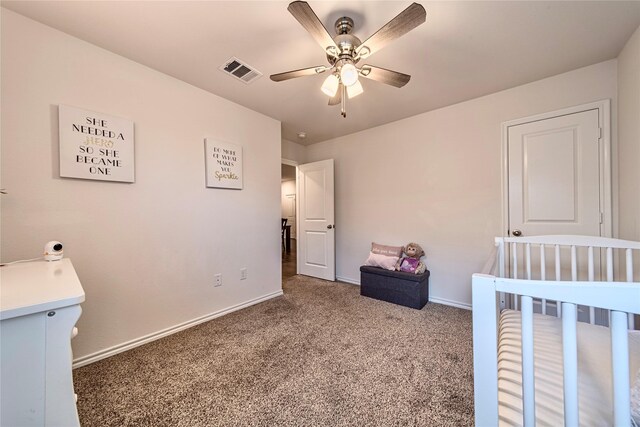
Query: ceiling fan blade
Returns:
{"type": "Point", "coordinates": [382, 75]}
{"type": "Point", "coordinates": [309, 20]}
{"type": "Point", "coordinates": [298, 73]}
{"type": "Point", "coordinates": [337, 98]}
{"type": "Point", "coordinates": [404, 22]}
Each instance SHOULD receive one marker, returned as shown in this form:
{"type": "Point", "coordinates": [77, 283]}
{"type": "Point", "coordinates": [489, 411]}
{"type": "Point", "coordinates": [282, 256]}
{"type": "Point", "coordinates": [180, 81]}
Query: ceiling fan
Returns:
{"type": "Point", "coordinates": [345, 50]}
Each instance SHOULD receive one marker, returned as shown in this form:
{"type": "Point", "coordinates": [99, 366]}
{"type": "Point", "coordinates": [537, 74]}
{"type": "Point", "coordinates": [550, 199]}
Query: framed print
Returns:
{"type": "Point", "coordinates": [223, 164]}
{"type": "Point", "coordinates": [95, 145]}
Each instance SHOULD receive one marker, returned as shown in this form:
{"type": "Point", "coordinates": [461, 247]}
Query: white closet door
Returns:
{"type": "Point", "coordinates": [554, 182]}
{"type": "Point", "coordinates": [554, 187]}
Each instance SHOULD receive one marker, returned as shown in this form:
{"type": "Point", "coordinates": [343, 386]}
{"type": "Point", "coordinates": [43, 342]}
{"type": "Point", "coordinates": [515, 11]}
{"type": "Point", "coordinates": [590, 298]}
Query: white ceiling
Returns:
{"type": "Point", "coordinates": [464, 50]}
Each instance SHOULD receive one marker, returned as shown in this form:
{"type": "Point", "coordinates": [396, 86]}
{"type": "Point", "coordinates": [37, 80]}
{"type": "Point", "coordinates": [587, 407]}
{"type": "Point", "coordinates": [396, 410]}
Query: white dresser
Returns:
{"type": "Point", "coordinates": [39, 306]}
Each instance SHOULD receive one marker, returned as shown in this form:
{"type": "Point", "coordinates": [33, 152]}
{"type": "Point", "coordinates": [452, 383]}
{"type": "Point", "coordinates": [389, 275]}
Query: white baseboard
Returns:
{"type": "Point", "coordinates": [444, 301]}
{"type": "Point", "coordinates": [108, 352]}
{"type": "Point", "coordinates": [348, 280]}
{"type": "Point", "coordinates": [436, 300]}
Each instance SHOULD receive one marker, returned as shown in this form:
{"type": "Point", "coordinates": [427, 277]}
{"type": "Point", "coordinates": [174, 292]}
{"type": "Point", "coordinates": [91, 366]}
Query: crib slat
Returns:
{"type": "Point", "coordinates": [543, 275]}
{"type": "Point", "coordinates": [501, 258]}
{"type": "Point", "coordinates": [558, 278]}
{"type": "Point", "coordinates": [501, 269]}
{"type": "Point", "coordinates": [592, 310]}
{"type": "Point", "coordinates": [558, 268]}
{"type": "Point", "coordinates": [591, 267]}
{"type": "Point", "coordinates": [570, 363]}
{"type": "Point", "coordinates": [629, 254]}
{"type": "Point", "coordinates": [543, 264]}
{"type": "Point", "coordinates": [514, 250]}
{"type": "Point", "coordinates": [528, 381]}
{"type": "Point", "coordinates": [609, 269]}
{"type": "Point", "coordinates": [528, 256]}
{"type": "Point", "coordinates": [574, 264]}
{"type": "Point", "coordinates": [620, 365]}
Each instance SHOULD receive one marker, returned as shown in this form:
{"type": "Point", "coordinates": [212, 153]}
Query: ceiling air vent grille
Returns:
{"type": "Point", "coordinates": [240, 70]}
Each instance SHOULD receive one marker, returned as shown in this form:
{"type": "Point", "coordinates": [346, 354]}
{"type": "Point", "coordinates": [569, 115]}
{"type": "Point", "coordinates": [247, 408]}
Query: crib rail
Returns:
{"type": "Point", "coordinates": [573, 258]}
{"type": "Point", "coordinates": [619, 298]}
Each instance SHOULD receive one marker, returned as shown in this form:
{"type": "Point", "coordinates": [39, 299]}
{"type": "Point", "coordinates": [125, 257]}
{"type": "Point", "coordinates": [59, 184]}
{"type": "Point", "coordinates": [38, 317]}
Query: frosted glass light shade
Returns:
{"type": "Point", "coordinates": [349, 74]}
{"type": "Point", "coordinates": [330, 85]}
{"type": "Point", "coordinates": [354, 90]}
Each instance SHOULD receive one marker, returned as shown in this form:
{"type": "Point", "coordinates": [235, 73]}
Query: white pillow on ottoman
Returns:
{"type": "Point", "coordinates": [384, 256]}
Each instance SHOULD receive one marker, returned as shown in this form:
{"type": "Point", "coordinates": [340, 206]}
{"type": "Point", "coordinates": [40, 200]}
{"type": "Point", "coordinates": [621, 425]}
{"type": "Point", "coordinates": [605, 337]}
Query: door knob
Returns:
{"type": "Point", "coordinates": [329, 226]}
{"type": "Point", "coordinates": [516, 233]}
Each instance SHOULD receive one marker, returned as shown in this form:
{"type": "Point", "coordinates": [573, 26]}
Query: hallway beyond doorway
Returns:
{"type": "Point", "coordinates": [289, 261]}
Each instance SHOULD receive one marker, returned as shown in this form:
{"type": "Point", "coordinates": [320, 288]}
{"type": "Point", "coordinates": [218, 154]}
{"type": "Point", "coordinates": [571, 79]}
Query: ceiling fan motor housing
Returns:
{"type": "Point", "coordinates": [346, 42]}
{"type": "Point", "coordinates": [344, 25]}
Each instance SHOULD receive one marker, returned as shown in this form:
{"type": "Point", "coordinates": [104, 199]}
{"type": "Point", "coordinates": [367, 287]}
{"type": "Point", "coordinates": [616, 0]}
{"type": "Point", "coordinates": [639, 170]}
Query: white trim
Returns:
{"type": "Point", "coordinates": [119, 348]}
{"type": "Point", "coordinates": [297, 219]}
{"type": "Point", "coordinates": [504, 184]}
{"type": "Point", "coordinates": [435, 300]}
{"type": "Point", "coordinates": [288, 162]}
{"type": "Point", "coordinates": [348, 280]}
{"type": "Point", "coordinates": [606, 158]}
{"type": "Point", "coordinates": [606, 183]}
{"type": "Point", "coordinates": [443, 301]}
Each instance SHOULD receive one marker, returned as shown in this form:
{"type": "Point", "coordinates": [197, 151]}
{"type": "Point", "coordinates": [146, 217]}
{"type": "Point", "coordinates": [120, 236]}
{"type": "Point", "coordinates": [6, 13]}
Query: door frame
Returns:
{"type": "Point", "coordinates": [295, 164]}
{"type": "Point", "coordinates": [604, 118]}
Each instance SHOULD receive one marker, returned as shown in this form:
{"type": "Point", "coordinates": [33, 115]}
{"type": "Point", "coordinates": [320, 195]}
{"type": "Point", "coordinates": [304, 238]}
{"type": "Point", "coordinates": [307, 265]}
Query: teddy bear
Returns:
{"type": "Point", "coordinates": [411, 263]}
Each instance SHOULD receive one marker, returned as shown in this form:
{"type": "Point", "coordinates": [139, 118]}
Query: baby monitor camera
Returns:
{"type": "Point", "coordinates": [53, 251]}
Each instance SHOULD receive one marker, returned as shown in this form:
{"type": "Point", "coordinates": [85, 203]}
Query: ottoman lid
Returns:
{"type": "Point", "coordinates": [392, 273]}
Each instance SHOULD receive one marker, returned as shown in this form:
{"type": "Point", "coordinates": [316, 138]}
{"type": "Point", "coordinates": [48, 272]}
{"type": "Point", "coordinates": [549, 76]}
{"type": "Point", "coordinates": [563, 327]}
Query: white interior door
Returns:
{"type": "Point", "coordinates": [553, 177]}
{"type": "Point", "coordinates": [554, 185]}
{"type": "Point", "coordinates": [316, 228]}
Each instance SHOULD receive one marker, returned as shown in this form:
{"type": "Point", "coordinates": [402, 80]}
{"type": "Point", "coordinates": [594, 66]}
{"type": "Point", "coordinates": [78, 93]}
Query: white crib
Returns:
{"type": "Point", "coordinates": [554, 352]}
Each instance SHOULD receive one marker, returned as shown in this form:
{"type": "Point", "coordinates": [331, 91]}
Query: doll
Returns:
{"type": "Point", "coordinates": [411, 263]}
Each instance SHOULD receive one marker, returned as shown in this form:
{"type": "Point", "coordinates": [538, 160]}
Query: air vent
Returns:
{"type": "Point", "coordinates": [241, 71]}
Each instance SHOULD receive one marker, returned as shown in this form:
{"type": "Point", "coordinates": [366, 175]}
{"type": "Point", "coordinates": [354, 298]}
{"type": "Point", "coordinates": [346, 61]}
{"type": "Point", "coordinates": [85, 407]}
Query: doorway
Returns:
{"type": "Point", "coordinates": [316, 222]}
{"type": "Point", "coordinates": [307, 200]}
{"type": "Point", "coordinates": [288, 196]}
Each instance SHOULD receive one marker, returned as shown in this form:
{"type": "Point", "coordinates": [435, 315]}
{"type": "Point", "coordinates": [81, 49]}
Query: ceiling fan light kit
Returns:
{"type": "Point", "coordinates": [354, 90]}
{"type": "Point", "coordinates": [330, 85]}
{"type": "Point", "coordinates": [348, 74]}
{"type": "Point", "coordinates": [345, 50]}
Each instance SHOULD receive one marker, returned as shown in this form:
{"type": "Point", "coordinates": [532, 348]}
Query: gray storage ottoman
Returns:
{"type": "Point", "coordinates": [398, 287]}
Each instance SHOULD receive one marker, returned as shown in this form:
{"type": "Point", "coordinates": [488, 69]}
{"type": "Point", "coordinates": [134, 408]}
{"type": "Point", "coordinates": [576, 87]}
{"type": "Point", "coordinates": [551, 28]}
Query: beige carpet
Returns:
{"type": "Point", "coordinates": [322, 355]}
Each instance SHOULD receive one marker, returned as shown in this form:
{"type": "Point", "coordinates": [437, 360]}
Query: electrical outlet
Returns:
{"type": "Point", "coordinates": [243, 273]}
{"type": "Point", "coordinates": [218, 281]}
